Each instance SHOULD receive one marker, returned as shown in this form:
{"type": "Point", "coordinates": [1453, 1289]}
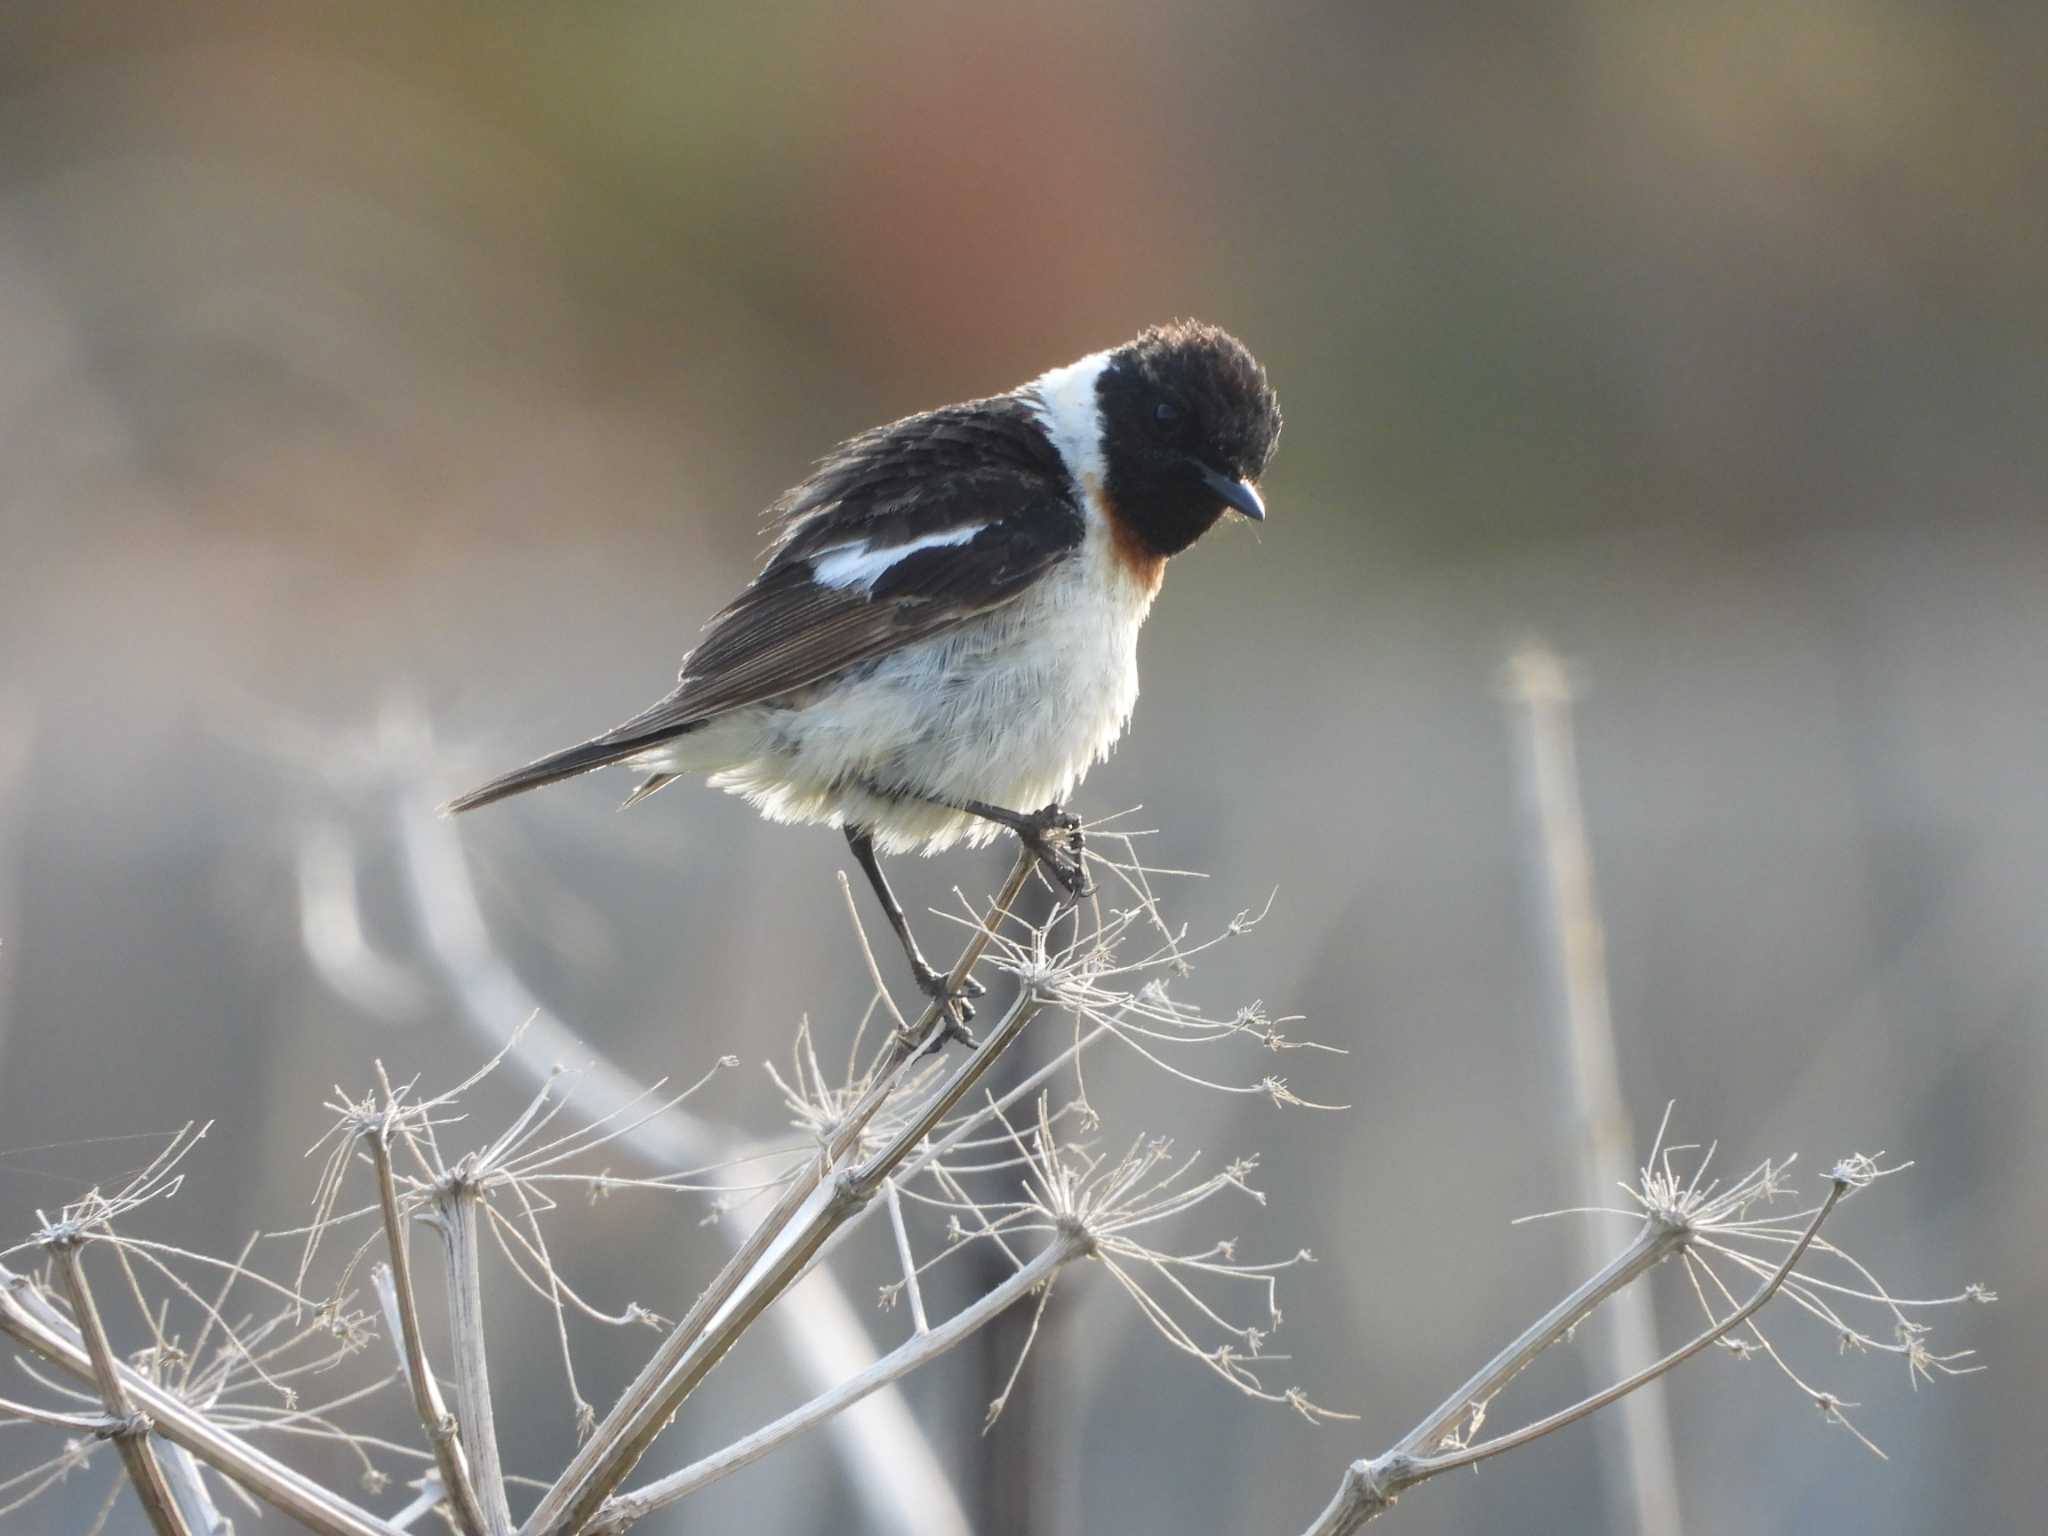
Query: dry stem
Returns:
{"type": "Point", "coordinates": [917, 1314]}
{"type": "Point", "coordinates": [819, 1327]}
{"type": "Point", "coordinates": [441, 1426]}
{"type": "Point", "coordinates": [456, 1210]}
{"type": "Point", "coordinates": [922, 1348]}
{"type": "Point", "coordinates": [130, 1431]}
{"type": "Point", "coordinates": [1370, 1488]}
{"type": "Point", "coordinates": [32, 1323]}
{"type": "Point", "coordinates": [873, 1136]}
{"type": "Point", "coordinates": [722, 1313]}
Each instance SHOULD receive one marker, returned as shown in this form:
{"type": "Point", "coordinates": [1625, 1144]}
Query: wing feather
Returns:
{"type": "Point", "coordinates": [984, 467]}
{"type": "Point", "coordinates": [927, 523]}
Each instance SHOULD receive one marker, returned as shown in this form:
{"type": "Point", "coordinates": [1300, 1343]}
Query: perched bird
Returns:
{"type": "Point", "coordinates": [945, 633]}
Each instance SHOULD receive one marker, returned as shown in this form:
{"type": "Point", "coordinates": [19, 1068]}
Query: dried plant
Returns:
{"type": "Point", "coordinates": [203, 1404]}
{"type": "Point", "coordinates": [1717, 1233]}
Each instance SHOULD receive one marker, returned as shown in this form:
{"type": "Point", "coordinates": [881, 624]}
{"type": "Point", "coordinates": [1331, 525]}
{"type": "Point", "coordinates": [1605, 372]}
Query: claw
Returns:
{"type": "Point", "coordinates": [956, 1029]}
{"type": "Point", "coordinates": [1064, 866]}
{"type": "Point", "coordinates": [959, 1011]}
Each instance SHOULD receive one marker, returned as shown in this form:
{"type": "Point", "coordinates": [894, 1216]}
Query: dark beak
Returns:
{"type": "Point", "coordinates": [1240, 495]}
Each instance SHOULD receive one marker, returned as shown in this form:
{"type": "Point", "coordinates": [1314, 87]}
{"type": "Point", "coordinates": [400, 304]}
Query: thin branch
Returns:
{"type": "Point", "coordinates": [771, 1258]}
{"type": "Point", "coordinates": [1564, 1416]}
{"type": "Point", "coordinates": [78, 1423]}
{"type": "Point", "coordinates": [829, 1206]}
{"type": "Point", "coordinates": [443, 1432]}
{"type": "Point", "coordinates": [457, 1208]}
{"type": "Point", "coordinates": [431, 1495]}
{"type": "Point", "coordinates": [961, 1132]}
{"type": "Point", "coordinates": [621, 1512]}
{"type": "Point", "coordinates": [1370, 1487]}
{"type": "Point", "coordinates": [821, 1328]}
{"type": "Point", "coordinates": [1653, 1244]}
{"type": "Point", "coordinates": [188, 1487]}
{"type": "Point", "coordinates": [867, 954]}
{"type": "Point", "coordinates": [130, 1432]}
{"type": "Point", "coordinates": [917, 1317]}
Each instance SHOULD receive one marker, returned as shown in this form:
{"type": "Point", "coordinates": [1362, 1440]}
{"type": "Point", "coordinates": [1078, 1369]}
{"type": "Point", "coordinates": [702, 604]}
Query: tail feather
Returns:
{"type": "Point", "coordinates": [646, 787]}
{"type": "Point", "coordinates": [555, 767]}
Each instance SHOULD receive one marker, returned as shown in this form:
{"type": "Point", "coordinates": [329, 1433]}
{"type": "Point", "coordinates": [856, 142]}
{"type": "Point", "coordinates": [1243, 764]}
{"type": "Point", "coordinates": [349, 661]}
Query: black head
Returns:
{"type": "Point", "coordinates": [1188, 424]}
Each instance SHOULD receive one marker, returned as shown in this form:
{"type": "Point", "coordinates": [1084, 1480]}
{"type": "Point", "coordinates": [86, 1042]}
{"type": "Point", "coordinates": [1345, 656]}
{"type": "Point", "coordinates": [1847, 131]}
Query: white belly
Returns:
{"type": "Point", "coordinates": [1010, 709]}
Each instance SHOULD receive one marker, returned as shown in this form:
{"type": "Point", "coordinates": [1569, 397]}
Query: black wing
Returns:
{"type": "Point", "coordinates": [974, 495]}
{"type": "Point", "coordinates": [981, 475]}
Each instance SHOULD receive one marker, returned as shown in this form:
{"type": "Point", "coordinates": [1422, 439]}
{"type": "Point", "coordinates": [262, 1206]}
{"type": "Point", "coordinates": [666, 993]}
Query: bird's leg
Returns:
{"type": "Point", "coordinates": [1053, 835]}
{"type": "Point", "coordinates": [930, 982]}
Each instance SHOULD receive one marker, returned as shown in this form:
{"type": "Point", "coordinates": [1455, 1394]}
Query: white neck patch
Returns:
{"type": "Point", "coordinates": [1072, 417]}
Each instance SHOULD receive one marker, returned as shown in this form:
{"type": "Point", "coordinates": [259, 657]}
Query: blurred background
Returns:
{"type": "Point", "coordinates": [387, 395]}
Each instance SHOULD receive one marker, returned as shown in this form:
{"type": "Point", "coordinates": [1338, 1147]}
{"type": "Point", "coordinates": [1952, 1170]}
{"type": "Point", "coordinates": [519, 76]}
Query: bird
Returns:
{"type": "Point", "coordinates": [942, 638]}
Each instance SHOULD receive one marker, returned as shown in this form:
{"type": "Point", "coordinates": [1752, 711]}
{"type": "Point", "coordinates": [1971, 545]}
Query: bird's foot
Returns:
{"type": "Point", "coordinates": [1055, 838]}
{"type": "Point", "coordinates": [937, 986]}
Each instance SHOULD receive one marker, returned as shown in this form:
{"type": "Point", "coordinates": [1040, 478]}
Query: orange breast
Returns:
{"type": "Point", "coordinates": [1144, 565]}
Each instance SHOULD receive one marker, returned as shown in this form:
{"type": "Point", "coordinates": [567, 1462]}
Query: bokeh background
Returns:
{"type": "Point", "coordinates": [388, 392]}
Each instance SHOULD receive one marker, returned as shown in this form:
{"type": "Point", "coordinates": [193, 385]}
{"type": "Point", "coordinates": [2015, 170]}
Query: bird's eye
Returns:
{"type": "Point", "coordinates": [1167, 417]}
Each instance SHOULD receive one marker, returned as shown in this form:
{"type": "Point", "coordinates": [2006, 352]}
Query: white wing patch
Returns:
{"type": "Point", "coordinates": [863, 564]}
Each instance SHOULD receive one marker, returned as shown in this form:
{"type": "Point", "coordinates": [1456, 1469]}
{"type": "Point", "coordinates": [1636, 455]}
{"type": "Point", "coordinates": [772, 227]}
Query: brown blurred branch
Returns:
{"type": "Point", "coordinates": [1636, 1454]}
